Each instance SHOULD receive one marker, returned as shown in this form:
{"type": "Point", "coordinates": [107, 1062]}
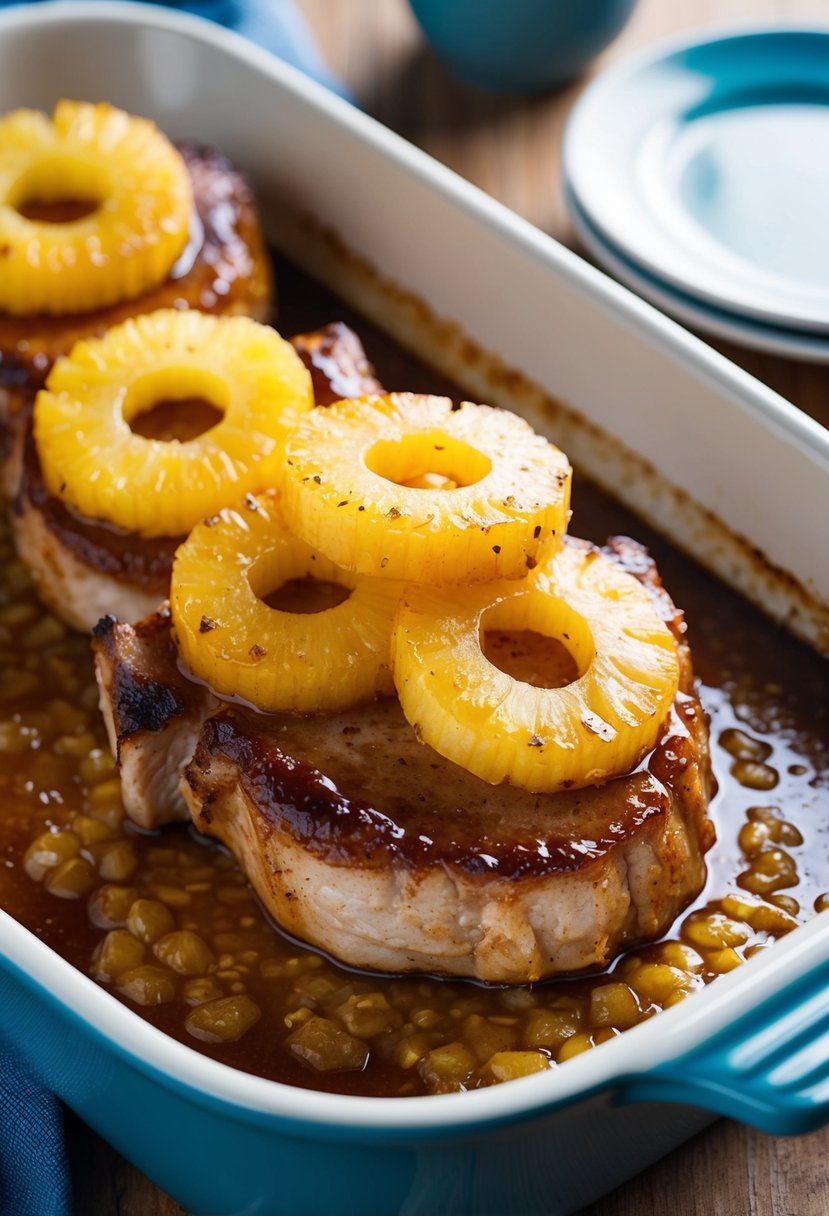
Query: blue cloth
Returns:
{"type": "Point", "coordinates": [34, 1173]}
{"type": "Point", "coordinates": [275, 25]}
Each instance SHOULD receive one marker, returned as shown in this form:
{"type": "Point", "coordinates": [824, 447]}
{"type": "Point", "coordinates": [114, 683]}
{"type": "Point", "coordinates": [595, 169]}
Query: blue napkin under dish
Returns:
{"type": "Point", "coordinates": [34, 1172]}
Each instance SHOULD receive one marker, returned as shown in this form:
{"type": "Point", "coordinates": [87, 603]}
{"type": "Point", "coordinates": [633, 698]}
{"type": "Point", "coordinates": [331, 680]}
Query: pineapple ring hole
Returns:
{"type": "Point", "coordinates": [175, 404]}
{"type": "Point", "coordinates": [530, 657]}
{"type": "Point", "coordinates": [306, 595]}
{"type": "Point", "coordinates": [429, 460]}
{"type": "Point", "coordinates": [180, 420]}
{"type": "Point", "coordinates": [59, 190]}
{"type": "Point", "coordinates": [537, 640]}
{"type": "Point", "coordinates": [286, 584]}
{"type": "Point", "coordinates": [56, 211]}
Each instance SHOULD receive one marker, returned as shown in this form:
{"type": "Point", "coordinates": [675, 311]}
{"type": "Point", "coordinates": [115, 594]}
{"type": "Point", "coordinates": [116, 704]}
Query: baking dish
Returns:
{"type": "Point", "coordinates": [753, 1045]}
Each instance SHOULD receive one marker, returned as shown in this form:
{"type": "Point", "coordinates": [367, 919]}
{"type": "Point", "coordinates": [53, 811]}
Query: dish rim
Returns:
{"type": "Point", "coordinates": [176, 1065]}
{"type": "Point", "coordinates": [629, 1057]}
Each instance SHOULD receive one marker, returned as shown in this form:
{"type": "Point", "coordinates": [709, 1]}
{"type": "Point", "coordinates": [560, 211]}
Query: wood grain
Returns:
{"type": "Point", "coordinates": [511, 148]}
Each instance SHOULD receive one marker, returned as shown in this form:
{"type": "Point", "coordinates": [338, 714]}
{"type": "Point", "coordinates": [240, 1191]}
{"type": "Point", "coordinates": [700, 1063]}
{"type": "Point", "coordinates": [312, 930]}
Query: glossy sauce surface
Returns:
{"type": "Point", "coordinates": [167, 919]}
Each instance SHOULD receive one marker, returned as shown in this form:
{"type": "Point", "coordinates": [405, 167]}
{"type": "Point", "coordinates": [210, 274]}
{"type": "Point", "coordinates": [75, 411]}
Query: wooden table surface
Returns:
{"type": "Point", "coordinates": [511, 148]}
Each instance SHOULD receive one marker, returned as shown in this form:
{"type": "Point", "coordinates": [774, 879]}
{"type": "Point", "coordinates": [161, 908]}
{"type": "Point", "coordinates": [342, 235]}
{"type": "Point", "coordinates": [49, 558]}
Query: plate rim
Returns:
{"type": "Point", "coordinates": [731, 327]}
{"type": "Point", "coordinates": [578, 142]}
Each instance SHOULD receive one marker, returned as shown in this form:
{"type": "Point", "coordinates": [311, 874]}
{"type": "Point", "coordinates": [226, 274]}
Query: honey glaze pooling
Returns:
{"type": "Point", "coordinates": [167, 923]}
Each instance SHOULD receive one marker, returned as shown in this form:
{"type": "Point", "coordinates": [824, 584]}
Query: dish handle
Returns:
{"type": "Point", "coordinates": [768, 1068]}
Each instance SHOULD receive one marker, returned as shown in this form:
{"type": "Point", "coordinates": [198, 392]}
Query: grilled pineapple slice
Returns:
{"type": "Point", "coordinates": [98, 465]}
{"type": "Point", "coordinates": [277, 660]}
{"type": "Point", "coordinates": [542, 739]}
{"type": "Point", "coordinates": [406, 487]}
{"type": "Point", "coordinates": [132, 177]}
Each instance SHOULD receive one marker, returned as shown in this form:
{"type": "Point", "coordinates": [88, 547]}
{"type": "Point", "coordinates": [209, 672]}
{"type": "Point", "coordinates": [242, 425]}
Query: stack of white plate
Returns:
{"type": "Point", "coordinates": [697, 172]}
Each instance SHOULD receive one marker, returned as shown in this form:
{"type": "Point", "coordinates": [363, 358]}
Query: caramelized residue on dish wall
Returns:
{"type": "Point", "coordinates": [167, 923]}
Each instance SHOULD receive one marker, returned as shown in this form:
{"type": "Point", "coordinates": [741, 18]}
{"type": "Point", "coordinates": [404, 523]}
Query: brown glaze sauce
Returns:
{"type": "Point", "coordinates": [65, 211]}
{"type": "Point", "coordinates": [177, 421]}
{"type": "Point", "coordinates": [303, 1019]}
{"type": "Point", "coordinates": [530, 657]}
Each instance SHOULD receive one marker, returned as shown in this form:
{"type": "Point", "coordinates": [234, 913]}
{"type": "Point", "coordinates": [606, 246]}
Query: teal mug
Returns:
{"type": "Point", "coordinates": [520, 46]}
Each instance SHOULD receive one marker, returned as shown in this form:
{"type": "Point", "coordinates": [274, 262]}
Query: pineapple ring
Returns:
{"type": "Point", "coordinates": [129, 241]}
{"type": "Point", "coordinates": [278, 661]}
{"type": "Point", "coordinates": [406, 487]}
{"type": "Point", "coordinates": [93, 460]}
{"type": "Point", "coordinates": [542, 739]}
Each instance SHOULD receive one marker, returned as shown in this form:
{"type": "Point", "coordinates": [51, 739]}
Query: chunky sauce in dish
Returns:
{"type": "Point", "coordinates": [170, 915]}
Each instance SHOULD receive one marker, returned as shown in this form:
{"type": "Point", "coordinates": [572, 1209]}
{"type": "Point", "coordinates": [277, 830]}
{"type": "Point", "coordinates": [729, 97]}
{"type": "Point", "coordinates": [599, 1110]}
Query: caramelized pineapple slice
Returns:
{"type": "Point", "coordinates": [95, 462]}
{"type": "Point", "coordinates": [542, 739]}
{"type": "Point", "coordinates": [138, 199]}
{"type": "Point", "coordinates": [405, 487]}
{"type": "Point", "coordinates": [278, 660]}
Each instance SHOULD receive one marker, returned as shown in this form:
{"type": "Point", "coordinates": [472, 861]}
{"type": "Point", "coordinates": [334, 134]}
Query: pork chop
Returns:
{"type": "Point", "coordinates": [153, 714]}
{"type": "Point", "coordinates": [367, 844]}
{"type": "Point", "coordinates": [85, 569]}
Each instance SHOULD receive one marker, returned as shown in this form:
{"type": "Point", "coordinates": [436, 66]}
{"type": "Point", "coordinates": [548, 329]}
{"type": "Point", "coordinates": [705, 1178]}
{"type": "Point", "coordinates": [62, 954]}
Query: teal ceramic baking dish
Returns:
{"type": "Point", "coordinates": [754, 1044]}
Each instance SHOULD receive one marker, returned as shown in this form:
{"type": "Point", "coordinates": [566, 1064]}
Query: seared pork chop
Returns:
{"type": "Point", "coordinates": [153, 714]}
{"type": "Point", "coordinates": [337, 362]}
{"type": "Point", "coordinates": [224, 269]}
{"type": "Point", "coordinates": [85, 569]}
{"type": "Point", "coordinates": [366, 843]}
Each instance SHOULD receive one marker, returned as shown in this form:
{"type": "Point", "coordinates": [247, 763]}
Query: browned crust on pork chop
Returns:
{"type": "Point", "coordinates": [366, 843]}
{"type": "Point", "coordinates": [153, 714]}
{"type": "Point", "coordinates": [337, 362]}
{"type": "Point", "coordinates": [85, 569]}
{"type": "Point", "coordinates": [141, 561]}
{"type": "Point", "coordinates": [357, 788]}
